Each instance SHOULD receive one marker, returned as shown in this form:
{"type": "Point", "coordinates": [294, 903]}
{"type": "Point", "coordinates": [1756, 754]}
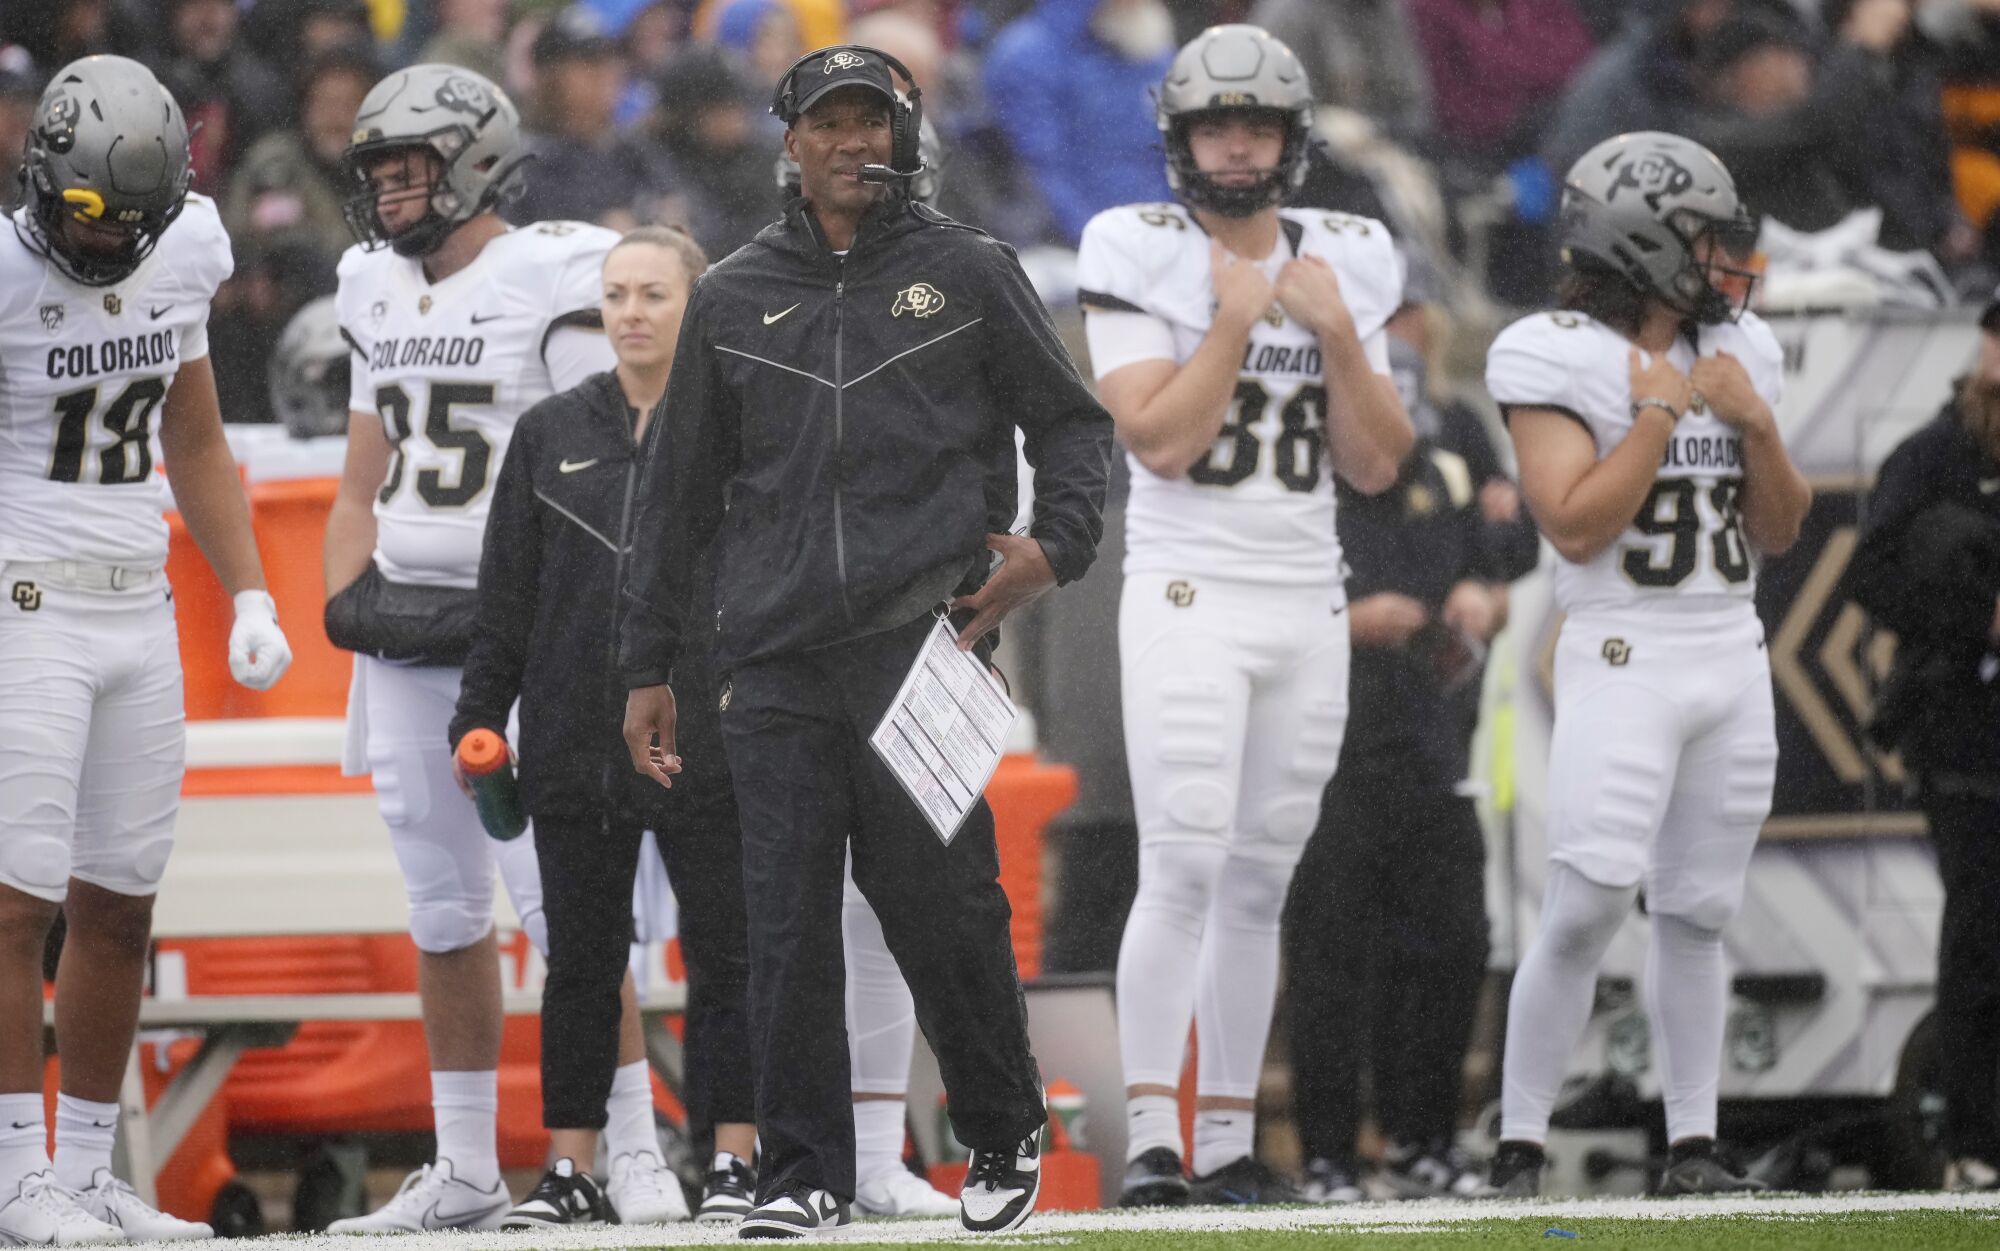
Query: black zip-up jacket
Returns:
{"type": "Point", "coordinates": [548, 581]}
{"type": "Point", "coordinates": [839, 420]}
{"type": "Point", "coordinates": [1928, 567]}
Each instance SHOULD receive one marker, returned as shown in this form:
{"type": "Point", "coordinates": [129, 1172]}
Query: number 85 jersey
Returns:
{"type": "Point", "coordinates": [1686, 545]}
{"type": "Point", "coordinates": [83, 374]}
{"type": "Point", "coordinates": [1259, 507]}
{"type": "Point", "coordinates": [450, 366]}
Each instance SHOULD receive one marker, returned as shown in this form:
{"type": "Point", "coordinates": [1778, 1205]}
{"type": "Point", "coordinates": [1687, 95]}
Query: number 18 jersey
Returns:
{"type": "Point", "coordinates": [450, 366]}
{"type": "Point", "coordinates": [1260, 506]}
{"type": "Point", "coordinates": [83, 374]}
{"type": "Point", "coordinates": [1686, 545]}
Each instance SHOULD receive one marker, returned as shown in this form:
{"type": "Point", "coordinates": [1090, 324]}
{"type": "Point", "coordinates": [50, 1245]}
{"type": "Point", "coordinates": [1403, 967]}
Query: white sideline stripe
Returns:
{"type": "Point", "coordinates": [1050, 1227]}
{"type": "Point", "coordinates": [255, 742]}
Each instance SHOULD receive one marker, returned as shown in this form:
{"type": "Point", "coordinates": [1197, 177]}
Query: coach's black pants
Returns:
{"type": "Point", "coordinates": [588, 862]}
{"type": "Point", "coordinates": [1965, 828]}
{"type": "Point", "coordinates": [809, 788]}
{"type": "Point", "coordinates": [1385, 946]}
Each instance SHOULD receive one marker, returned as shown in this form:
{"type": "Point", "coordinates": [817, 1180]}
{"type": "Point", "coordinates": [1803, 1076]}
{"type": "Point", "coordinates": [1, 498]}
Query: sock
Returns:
{"type": "Point", "coordinates": [878, 1137]}
{"type": "Point", "coordinates": [466, 1107]}
{"type": "Point", "coordinates": [1550, 1002]}
{"type": "Point", "coordinates": [1687, 995]}
{"type": "Point", "coordinates": [628, 1124]}
{"type": "Point", "coordinates": [1152, 1121]}
{"type": "Point", "coordinates": [1221, 1138]}
{"type": "Point", "coordinates": [24, 1137]}
{"type": "Point", "coordinates": [84, 1134]}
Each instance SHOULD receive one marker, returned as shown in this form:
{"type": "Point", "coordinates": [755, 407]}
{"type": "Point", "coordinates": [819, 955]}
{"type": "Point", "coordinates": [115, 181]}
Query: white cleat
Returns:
{"type": "Point", "coordinates": [43, 1213]}
{"type": "Point", "coordinates": [114, 1202]}
{"type": "Point", "coordinates": [431, 1198]}
{"type": "Point", "coordinates": [899, 1192]}
{"type": "Point", "coordinates": [644, 1191]}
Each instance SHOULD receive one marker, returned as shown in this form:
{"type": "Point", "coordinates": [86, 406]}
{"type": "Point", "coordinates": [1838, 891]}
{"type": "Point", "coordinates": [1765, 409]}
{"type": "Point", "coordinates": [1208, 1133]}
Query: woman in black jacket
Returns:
{"type": "Point", "coordinates": [555, 547]}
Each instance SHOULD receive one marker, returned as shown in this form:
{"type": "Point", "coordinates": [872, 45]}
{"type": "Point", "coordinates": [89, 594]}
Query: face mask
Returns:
{"type": "Point", "coordinates": [1137, 32]}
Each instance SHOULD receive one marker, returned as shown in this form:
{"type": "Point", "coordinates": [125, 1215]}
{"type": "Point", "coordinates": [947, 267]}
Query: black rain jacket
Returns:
{"type": "Point", "coordinates": [843, 428]}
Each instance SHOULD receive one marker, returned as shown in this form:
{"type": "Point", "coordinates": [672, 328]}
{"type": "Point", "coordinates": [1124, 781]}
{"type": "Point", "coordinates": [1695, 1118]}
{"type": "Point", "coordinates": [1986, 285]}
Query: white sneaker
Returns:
{"type": "Point", "coordinates": [644, 1191]}
{"type": "Point", "coordinates": [431, 1198]}
{"type": "Point", "coordinates": [1970, 1173]}
{"type": "Point", "coordinates": [899, 1192]}
{"type": "Point", "coordinates": [114, 1202]}
{"type": "Point", "coordinates": [42, 1212]}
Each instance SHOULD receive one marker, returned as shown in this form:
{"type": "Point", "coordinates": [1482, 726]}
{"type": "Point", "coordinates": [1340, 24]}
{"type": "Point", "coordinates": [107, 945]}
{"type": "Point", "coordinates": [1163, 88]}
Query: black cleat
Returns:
{"type": "Point", "coordinates": [1243, 1182]}
{"type": "Point", "coordinates": [729, 1193]}
{"type": "Point", "coordinates": [1516, 1172]}
{"type": "Point", "coordinates": [1000, 1187]}
{"type": "Point", "coordinates": [1154, 1180]}
{"type": "Point", "coordinates": [564, 1196]}
{"type": "Point", "coordinates": [1693, 1168]}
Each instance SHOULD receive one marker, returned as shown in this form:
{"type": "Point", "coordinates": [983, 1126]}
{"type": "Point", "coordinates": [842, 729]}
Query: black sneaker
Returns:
{"type": "Point", "coordinates": [1516, 1172]}
{"type": "Point", "coordinates": [1154, 1180]}
{"type": "Point", "coordinates": [1000, 1187]}
{"type": "Point", "coordinates": [729, 1193]}
{"type": "Point", "coordinates": [796, 1213]}
{"type": "Point", "coordinates": [1244, 1181]}
{"type": "Point", "coordinates": [1330, 1182]}
{"type": "Point", "coordinates": [1439, 1170]}
{"type": "Point", "coordinates": [1693, 1168]}
{"type": "Point", "coordinates": [563, 1197]}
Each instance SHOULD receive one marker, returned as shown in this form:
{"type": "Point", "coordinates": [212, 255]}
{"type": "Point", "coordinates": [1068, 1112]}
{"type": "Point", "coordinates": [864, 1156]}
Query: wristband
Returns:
{"type": "Point", "coordinates": [1653, 401]}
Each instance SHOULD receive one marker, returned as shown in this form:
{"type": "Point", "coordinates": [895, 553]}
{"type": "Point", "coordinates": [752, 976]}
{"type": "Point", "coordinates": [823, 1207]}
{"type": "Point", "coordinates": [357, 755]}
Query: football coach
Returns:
{"type": "Point", "coordinates": [840, 418]}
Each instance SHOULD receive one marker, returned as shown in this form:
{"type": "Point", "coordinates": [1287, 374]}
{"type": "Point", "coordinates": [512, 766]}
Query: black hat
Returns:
{"type": "Point", "coordinates": [830, 69]}
{"type": "Point", "coordinates": [576, 33]}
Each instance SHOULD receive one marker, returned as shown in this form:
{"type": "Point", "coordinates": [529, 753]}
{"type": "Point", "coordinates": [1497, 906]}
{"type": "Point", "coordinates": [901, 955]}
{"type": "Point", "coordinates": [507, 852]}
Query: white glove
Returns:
{"type": "Point", "coordinates": [258, 652]}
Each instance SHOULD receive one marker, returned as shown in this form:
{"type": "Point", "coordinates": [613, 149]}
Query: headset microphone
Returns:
{"type": "Point", "coordinates": [890, 174]}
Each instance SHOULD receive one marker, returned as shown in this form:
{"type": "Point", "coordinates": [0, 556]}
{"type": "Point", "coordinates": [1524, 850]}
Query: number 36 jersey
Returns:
{"type": "Point", "coordinates": [450, 366]}
{"type": "Point", "coordinates": [1260, 506]}
{"type": "Point", "coordinates": [83, 374]}
{"type": "Point", "coordinates": [1686, 544]}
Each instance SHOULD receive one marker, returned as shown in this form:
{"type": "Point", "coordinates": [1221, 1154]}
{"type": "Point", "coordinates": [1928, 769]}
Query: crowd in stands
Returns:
{"type": "Point", "coordinates": [655, 111]}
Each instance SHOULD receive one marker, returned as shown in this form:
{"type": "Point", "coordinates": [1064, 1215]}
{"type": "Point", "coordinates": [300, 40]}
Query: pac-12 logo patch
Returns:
{"type": "Point", "coordinates": [52, 317]}
{"type": "Point", "coordinates": [1616, 652]}
{"type": "Point", "coordinates": [27, 596]}
{"type": "Point", "coordinates": [920, 298]}
{"type": "Point", "coordinates": [1180, 594]}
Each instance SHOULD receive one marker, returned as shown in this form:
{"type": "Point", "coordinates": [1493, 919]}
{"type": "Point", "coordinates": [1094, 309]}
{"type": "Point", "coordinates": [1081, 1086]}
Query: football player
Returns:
{"type": "Point", "coordinates": [1641, 410]}
{"type": "Point", "coordinates": [458, 325]}
{"type": "Point", "coordinates": [881, 1015]}
{"type": "Point", "coordinates": [106, 273]}
{"type": "Point", "coordinates": [1241, 349]}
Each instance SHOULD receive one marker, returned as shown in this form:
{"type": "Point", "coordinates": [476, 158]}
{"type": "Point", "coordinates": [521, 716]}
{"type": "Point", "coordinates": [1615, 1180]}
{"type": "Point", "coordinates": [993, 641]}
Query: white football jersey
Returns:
{"type": "Point", "coordinates": [1260, 507]}
{"type": "Point", "coordinates": [83, 374]}
{"type": "Point", "coordinates": [450, 367]}
{"type": "Point", "coordinates": [1687, 540]}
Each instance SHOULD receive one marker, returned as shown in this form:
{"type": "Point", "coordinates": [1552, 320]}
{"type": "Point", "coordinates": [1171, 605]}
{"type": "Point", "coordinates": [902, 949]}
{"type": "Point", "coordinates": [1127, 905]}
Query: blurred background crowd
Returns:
{"type": "Point", "coordinates": [1866, 132]}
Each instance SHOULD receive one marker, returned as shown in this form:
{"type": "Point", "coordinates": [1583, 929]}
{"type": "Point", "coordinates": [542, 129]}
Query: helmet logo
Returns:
{"type": "Point", "coordinates": [842, 61]}
{"type": "Point", "coordinates": [462, 95]}
{"type": "Point", "coordinates": [59, 127]}
{"type": "Point", "coordinates": [920, 298]}
{"type": "Point", "coordinates": [1653, 176]}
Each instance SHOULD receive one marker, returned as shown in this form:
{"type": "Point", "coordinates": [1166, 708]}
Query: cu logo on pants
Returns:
{"type": "Point", "coordinates": [27, 596]}
{"type": "Point", "coordinates": [1180, 594]}
{"type": "Point", "coordinates": [1617, 652]}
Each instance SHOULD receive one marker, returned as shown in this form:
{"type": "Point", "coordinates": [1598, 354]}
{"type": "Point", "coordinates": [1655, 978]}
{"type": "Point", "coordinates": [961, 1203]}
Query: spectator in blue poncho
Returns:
{"type": "Point", "coordinates": [1071, 84]}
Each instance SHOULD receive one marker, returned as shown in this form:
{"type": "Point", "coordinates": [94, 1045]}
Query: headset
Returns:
{"type": "Point", "coordinates": [906, 114]}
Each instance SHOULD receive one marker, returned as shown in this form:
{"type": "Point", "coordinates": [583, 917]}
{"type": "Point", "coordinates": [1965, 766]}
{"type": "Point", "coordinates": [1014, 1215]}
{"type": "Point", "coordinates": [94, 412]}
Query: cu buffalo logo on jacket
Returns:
{"type": "Point", "coordinates": [920, 298]}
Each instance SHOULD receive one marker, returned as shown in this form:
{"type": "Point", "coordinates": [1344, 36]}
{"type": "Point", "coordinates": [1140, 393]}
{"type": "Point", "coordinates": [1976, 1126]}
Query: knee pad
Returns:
{"type": "Point", "coordinates": [441, 926]}
{"type": "Point", "coordinates": [1180, 877]}
{"type": "Point", "coordinates": [1250, 893]}
{"type": "Point", "coordinates": [35, 861]}
{"type": "Point", "coordinates": [133, 868]}
{"type": "Point", "coordinates": [1699, 908]}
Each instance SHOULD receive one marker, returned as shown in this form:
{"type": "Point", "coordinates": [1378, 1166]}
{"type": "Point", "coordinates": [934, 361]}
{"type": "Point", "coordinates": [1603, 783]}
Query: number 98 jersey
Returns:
{"type": "Point", "coordinates": [83, 374]}
{"type": "Point", "coordinates": [1259, 507]}
{"type": "Point", "coordinates": [450, 366]}
{"type": "Point", "coordinates": [1686, 544]}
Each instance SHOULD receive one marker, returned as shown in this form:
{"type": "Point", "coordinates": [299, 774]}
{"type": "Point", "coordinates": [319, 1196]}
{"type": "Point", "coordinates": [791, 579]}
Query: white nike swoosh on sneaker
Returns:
{"type": "Point", "coordinates": [571, 466]}
{"type": "Point", "coordinates": [771, 317]}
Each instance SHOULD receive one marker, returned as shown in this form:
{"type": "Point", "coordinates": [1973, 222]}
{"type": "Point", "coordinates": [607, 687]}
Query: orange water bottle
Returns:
{"type": "Point", "coordinates": [489, 767]}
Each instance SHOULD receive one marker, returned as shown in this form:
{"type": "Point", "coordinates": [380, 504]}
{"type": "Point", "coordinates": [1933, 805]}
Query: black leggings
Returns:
{"type": "Point", "coordinates": [588, 863]}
